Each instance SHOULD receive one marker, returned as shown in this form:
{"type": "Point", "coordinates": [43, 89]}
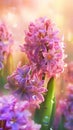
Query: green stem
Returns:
{"type": "Point", "coordinates": [43, 115]}
{"type": "Point", "coordinates": [49, 98]}
{"type": "Point", "coordinates": [52, 114]}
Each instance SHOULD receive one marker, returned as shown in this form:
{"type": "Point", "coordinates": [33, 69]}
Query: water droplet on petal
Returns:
{"type": "Point", "coordinates": [34, 97]}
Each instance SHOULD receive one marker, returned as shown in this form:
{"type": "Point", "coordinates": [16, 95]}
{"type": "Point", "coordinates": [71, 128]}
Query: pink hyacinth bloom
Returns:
{"type": "Point", "coordinates": [6, 42]}
{"type": "Point", "coordinates": [69, 73]}
{"type": "Point", "coordinates": [4, 34]}
{"type": "Point", "coordinates": [44, 47]}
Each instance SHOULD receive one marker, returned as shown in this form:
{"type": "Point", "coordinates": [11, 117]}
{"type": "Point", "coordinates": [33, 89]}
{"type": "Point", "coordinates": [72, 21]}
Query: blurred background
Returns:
{"type": "Point", "coordinates": [18, 13]}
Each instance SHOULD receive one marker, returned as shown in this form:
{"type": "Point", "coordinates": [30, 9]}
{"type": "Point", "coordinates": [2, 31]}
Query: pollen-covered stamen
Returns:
{"type": "Point", "coordinates": [41, 35]}
{"type": "Point", "coordinates": [49, 56]}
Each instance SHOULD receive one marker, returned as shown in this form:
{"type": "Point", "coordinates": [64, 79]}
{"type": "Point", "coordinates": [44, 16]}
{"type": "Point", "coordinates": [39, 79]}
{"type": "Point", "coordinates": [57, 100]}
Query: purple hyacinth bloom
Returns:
{"type": "Point", "coordinates": [6, 105]}
{"type": "Point", "coordinates": [15, 115]}
{"type": "Point", "coordinates": [69, 108]}
{"type": "Point", "coordinates": [65, 109]}
{"type": "Point", "coordinates": [69, 99]}
{"type": "Point", "coordinates": [44, 47]}
{"type": "Point", "coordinates": [26, 86]}
{"type": "Point", "coordinates": [69, 122]}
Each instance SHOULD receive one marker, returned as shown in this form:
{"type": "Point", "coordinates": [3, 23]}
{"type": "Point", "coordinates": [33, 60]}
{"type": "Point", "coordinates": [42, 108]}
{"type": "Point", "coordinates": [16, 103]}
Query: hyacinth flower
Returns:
{"type": "Point", "coordinates": [68, 76]}
{"type": "Point", "coordinates": [64, 111]}
{"type": "Point", "coordinates": [44, 47]}
{"type": "Point", "coordinates": [6, 43]}
{"type": "Point", "coordinates": [26, 86]}
{"type": "Point", "coordinates": [69, 117]}
{"type": "Point", "coordinates": [15, 115]}
{"type": "Point", "coordinates": [45, 50]}
{"type": "Point", "coordinates": [61, 109]}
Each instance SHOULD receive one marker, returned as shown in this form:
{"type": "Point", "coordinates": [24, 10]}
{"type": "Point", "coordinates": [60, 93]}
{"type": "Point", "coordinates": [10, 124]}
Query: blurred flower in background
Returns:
{"type": "Point", "coordinates": [68, 75]}
{"type": "Point", "coordinates": [6, 43]}
{"type": "Point", "coordinates": [64, 109]}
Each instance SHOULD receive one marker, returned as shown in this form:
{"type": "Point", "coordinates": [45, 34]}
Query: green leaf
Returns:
{"type": "Point", "coordinates": [2, 80]}
{"type": "Point", "coordinates": [61, 124]}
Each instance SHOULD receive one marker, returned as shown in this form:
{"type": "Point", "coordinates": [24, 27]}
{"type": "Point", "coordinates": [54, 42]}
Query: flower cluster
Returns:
{"type": "Point", "coordinates": [69, 73]}
{"type": "Point", "coordinates": [45, 51]}
{"type": "Point", "coordinates": [69, 109]}
{"type": "Point", "coordinates": [6, 42]}
{"type": "Point", "coordinates": [26, 86]}
{"type": "Point", "coordinates": [61, 109]}
{"type": "Point", "coordinates": [65, 105]}
{"type": "Point", "coordinates": [1, 54]}
{"type": "Point", "coordinates": [44, 47]}
{"type": "Point", "coordinates": [4, 33]}
{"type": "Point", "coordinates": [65, 109]}
{"type": "Point", "coordinates": [15, 115]}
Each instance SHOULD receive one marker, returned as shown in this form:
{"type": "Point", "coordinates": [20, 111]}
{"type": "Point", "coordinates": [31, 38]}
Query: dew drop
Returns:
{"type": "Point", "coordinates": [34, 97]}
{"type": "Point", "coordinates": [46, 120]}
{"type": "Point", "coordinates": [51, 129]}
{"type": "Point", "coordinates": [52, 101]}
